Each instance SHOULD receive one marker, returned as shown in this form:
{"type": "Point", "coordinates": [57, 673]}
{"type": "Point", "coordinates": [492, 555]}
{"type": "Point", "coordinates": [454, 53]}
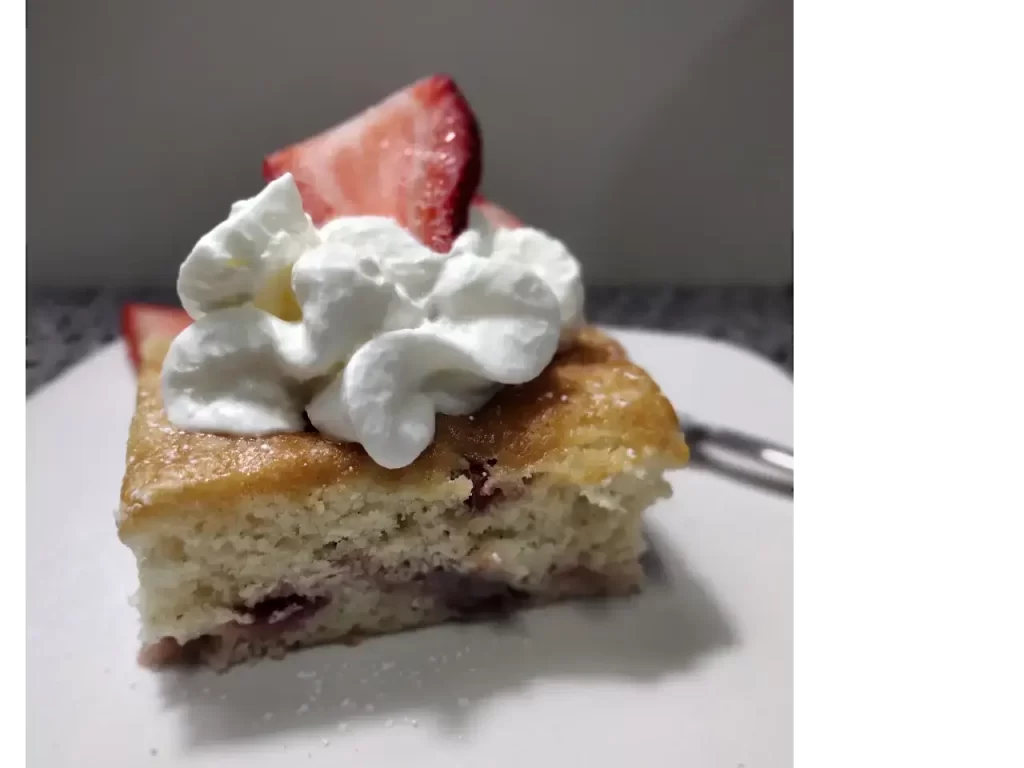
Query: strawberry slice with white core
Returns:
{"type": "Point", "coordinates": [141, 323]}
{"type": "Point", "coordinates": [415, 157]}
{"type": "Point", "coordinates": [495, 215]}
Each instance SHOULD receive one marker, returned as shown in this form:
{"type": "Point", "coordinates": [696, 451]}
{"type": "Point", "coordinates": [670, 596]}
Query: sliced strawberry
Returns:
{"type": "Point", "coordinates": [414, 157]}
{"type": "Point", "coordinates": [495, 214]}
{"type": "Point", "coordinates": [142, 322]}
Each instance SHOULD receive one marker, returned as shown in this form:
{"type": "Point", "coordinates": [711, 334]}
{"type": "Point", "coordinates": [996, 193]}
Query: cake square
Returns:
{"type": "Point", "coordinates": [249, 546]}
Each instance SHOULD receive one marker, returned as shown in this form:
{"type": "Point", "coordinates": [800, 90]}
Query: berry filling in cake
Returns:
{"type": "Point", "coordinates": [267, 625]}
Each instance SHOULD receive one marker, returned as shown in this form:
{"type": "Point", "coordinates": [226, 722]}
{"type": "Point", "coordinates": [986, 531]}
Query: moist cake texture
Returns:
{"type": "Point", "coordinates": [252, 545]}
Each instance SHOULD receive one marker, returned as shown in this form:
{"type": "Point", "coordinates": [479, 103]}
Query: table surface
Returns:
{"type": "Point", "coordinates": [63, 326]}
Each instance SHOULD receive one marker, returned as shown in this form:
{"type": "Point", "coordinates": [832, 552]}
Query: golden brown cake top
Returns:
{"type": "Point", "coordinates": [589, 414]}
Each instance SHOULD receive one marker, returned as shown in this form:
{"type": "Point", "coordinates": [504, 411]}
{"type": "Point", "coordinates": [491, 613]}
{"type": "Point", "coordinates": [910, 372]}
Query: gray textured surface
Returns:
{"type": "Point", "coordinates": [63, 326]}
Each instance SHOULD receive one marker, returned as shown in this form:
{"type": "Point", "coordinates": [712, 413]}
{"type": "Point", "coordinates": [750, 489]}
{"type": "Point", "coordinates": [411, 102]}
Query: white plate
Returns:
{"type": "Point", "coordinates": [697, 671]}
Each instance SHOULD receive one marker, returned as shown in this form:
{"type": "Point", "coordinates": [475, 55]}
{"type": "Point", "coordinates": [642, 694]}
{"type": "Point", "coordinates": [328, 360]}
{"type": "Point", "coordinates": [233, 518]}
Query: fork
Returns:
{"type": "Point", "coordinates": [739, 455]}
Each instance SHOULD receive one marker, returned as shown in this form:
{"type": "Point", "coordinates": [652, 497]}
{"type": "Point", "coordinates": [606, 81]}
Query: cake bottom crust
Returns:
{"type": "Point", "coordinates": [349, 610]}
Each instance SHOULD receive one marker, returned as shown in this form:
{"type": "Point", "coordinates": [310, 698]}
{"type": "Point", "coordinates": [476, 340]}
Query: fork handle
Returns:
{"type": "Point", "coordinates": [742, 454]}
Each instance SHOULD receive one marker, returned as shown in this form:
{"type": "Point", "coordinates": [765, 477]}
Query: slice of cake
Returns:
{"type": "Point", "coordinates": [252, 545]}
{"type": "Point", "coordinates": [383, 409]}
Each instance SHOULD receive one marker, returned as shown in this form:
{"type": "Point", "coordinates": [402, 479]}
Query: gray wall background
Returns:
{"type": "Point", "coordinates": [655, 137]}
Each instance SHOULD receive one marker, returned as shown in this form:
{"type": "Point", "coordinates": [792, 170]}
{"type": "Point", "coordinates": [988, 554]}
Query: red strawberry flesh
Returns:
{"type": "Point", "coordinates": [416, 157]}
{"type": "Point", "coordinates": [141, 322]}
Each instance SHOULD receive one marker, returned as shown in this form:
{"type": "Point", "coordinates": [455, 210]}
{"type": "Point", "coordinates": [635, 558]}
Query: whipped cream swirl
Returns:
{"type": "Point", "coordinates": [359, 325]}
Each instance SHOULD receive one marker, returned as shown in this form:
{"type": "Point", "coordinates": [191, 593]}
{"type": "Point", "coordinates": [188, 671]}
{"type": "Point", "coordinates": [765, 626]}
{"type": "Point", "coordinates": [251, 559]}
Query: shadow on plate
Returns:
{"type": "Point", "coordinates": [438, 677]}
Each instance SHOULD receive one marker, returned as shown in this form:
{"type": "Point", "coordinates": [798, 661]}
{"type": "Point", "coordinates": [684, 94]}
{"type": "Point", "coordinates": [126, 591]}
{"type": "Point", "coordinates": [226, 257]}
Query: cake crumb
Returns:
{"type": "Point", "coordinates": [326, 742]}
{"type": "Point", "coordinates": [302, 710]}
{"type": "Point", "coordinates": [386, 665]}
{"type": "Point", "coordinates": [389, 723]}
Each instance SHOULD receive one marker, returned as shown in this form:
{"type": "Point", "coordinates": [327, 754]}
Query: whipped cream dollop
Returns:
{"type": "Point", "coordinates": [358, 325]}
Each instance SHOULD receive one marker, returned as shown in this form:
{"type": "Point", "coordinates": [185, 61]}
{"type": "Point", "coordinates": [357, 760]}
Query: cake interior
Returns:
{"type": "Point", "coordinates": [344, 562]}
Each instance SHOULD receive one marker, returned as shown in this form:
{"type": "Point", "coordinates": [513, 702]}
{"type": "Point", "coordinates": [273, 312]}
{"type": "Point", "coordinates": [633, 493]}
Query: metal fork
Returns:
{"type": "Point", "coordinates": [738, 455]}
